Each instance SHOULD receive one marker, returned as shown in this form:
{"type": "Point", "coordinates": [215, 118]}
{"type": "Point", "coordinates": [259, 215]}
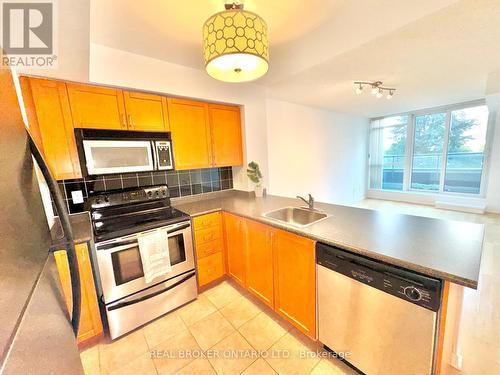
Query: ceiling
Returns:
{"type": "Point", "coordinates": [434, 52]}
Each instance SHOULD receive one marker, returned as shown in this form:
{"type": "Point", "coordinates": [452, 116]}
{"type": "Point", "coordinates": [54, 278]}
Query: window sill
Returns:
{"type": "Point", "coordinates": [452, 201]}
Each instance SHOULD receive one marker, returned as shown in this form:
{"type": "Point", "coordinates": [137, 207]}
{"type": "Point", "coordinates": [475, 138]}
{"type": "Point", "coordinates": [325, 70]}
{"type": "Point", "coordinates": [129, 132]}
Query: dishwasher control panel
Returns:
{"type": "Point", "coordinates": [407, 285]}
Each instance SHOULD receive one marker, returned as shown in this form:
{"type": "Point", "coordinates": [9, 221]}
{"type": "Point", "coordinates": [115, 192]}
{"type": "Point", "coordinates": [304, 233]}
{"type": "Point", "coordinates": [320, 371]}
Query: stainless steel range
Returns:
{"type": "Point", "coordinates": [118, 218]}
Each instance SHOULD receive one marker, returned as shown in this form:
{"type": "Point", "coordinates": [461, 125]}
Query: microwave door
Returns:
{"type": "Point", "coordinates": [111, 156]}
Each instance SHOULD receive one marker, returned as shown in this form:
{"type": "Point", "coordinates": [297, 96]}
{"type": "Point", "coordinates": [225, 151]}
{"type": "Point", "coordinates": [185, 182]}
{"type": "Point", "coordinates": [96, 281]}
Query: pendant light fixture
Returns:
{"type": "Point", "coordinates": [235, 45]}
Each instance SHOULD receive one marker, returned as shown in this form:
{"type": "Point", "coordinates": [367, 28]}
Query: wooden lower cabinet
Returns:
{"type": "Point", "coordinates": [259, 271]}
{"type": "Point", "coordinates": [205, 235]}
{"type": "Point", "coordinates": [295, 280]}
{"type": "Point", "coordinates": [210, 268]}
{"type": "Point", "coordinates": [276, 266]}
{"type": "Point", "coordinates": [209, 247]}
{"type": "Point", "coordinates": [236, 244]}
{"type": "Point", "coordinates": [90, 318]}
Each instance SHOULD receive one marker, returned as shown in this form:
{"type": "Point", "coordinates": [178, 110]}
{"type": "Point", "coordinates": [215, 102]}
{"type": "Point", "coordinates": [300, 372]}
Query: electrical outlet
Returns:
{"type": "Point", "coordinates": [456, 361]}
{"type": "Point", "coordinates": [77, 196]}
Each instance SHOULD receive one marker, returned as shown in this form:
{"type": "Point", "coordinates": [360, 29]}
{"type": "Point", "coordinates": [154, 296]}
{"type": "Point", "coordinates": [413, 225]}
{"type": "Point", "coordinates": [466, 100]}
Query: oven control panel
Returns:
{"type": "Point", "coordinates": [129, 196]}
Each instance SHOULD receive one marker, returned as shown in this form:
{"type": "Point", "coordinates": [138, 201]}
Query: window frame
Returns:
{"type": "Point", "coordinates": [410, 139]}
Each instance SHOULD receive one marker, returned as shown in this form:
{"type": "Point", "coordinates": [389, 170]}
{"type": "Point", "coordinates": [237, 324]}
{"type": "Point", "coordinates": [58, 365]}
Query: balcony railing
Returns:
{"type": "Point", "coordinates": [463, 172]}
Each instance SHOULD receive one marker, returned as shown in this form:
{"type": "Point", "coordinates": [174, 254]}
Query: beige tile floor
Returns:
{"type": "Point", "coordinates": [226, 317]}
{"type": "Point", "coordinates": [248, 337]}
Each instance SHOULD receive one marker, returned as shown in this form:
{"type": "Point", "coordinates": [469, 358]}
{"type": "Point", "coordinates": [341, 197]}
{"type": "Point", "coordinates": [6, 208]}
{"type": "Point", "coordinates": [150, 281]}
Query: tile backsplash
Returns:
{"type": "Point", "coordinates": [180, 183]}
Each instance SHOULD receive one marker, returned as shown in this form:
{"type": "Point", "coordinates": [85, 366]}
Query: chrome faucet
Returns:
{"type": "Point", "coordinates": [309, 202]}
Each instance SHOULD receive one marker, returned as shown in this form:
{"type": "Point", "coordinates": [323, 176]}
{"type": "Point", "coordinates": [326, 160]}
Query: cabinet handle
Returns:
{"type": "Point", "coordinates": [130, 122]}
{"type": "Point", "coordinates": [209, 251]}
{"type": "Point", "coordinates": [124, 121]}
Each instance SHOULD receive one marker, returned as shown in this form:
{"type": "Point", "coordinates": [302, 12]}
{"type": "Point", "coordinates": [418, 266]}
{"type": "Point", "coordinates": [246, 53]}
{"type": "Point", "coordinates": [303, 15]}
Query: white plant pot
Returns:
{"type": "Point", "coordinates": [259, 191]}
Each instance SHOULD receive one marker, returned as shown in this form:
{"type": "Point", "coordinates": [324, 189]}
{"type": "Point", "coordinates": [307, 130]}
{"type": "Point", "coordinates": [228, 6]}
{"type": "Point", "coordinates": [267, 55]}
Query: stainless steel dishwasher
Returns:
{"type": "Point", "coordinates": [382, 319]}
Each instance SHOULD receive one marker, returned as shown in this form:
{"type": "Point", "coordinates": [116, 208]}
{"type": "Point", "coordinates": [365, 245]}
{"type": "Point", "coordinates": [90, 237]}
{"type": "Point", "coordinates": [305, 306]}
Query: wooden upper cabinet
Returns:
{"type": "Point", "coordinates": [146, 112]}
{"type": "Point", "coordinates": [53, 118]}
{"type": "Point", "coordinates": [190, 134]}
{"type": "Point", "coordinates": [29, 106]}
{"type": "Point", "coordinates": [97, 107]}
{"type": "Point", "coordinates": [225, 123]}
{"type": "Point", "coordinates": [295, 280]}
{"type": "Point", "coordinates": [259, 272]}
{"type": "Point", "coordinates": [236, 241]}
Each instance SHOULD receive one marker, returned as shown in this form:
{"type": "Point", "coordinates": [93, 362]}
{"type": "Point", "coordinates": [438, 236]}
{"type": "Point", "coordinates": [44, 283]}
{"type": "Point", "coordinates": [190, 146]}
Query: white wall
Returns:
{"type": "Point", "coordinates": [73, 39]}
{"type": "Point", "coordinates": [493, 187]}
{"type": "Point", "coordinates": [120, 68]}
{"type": "Point", "coordinates": [316, 151]}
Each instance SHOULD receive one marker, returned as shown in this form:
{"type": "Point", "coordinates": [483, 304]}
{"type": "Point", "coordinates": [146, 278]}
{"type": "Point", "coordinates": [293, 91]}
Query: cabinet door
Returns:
{"type": "Point", "coordinates": [29, 106]}
{"type": "Point", "coordinates": [146, 112]}
{"type": "Point", "coordinates": [225, 123]}
{"type": "Point", "coordinates": [53, 114]}
{"type": "Point", "coordinates": [295, 280]}
{"type": "Point", "coordinates": [210, 268]}
{"type": "Point", "coordinates": [190, 134]}
{"type": "Point", "coordinates": [90, 319]}
{"type": "Point", "coordinates": [259, 275]}
{"type": "Point", "coordinates": [97, 107]}
{"type": "Point", "coordinates": [236, 247]}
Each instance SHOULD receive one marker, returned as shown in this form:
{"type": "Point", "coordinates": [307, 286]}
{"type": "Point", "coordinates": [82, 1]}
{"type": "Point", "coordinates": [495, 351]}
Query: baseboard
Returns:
{"type": "Point", "coordinates": [470, 208]}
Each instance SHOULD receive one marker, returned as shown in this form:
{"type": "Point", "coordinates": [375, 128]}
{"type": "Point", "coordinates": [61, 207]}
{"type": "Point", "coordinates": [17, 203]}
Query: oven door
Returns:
{"type": "Point", "coordinates": [120, 264]}
{"type": "Point", "coordinates": [108, 156]}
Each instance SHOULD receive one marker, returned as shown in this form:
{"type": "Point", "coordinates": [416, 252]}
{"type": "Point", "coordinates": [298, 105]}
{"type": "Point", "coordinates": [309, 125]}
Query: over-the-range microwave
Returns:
{"type": "Point", "coordinates": [116, 151]}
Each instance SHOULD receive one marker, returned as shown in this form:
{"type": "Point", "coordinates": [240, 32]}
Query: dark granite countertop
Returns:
{"type": "Point", "coordinates": [82, 228]}
{"type": "Point", "coordinates": [449, 250]}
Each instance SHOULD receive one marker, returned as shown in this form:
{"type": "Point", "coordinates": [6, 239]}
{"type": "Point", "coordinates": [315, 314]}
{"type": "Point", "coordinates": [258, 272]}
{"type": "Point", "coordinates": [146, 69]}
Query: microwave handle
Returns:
{"type": "Point", "coordinates": [155, 156]}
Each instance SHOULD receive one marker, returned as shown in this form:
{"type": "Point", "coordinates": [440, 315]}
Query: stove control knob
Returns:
{"type": "Point", "coordinates": [106, 199]}
{"type": "Point", "coordinates": [98, 200]}
{"type": "Point", "coordinates": [157, 193]}
{"type": "Point", "coordinates": [413, 293]}
{"type": "Point", "coordinates": [150, 194]}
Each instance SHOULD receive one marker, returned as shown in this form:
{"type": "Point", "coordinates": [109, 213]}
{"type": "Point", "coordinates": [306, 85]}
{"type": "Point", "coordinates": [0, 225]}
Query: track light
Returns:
{"type": "Point", "coordinates": [377, 89]}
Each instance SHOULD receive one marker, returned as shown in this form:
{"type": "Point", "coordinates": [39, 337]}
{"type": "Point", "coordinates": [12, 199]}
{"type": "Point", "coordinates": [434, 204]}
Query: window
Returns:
{"type": "Point", "coordinates": [388, 142]}
{"type": "Point", "coordinates": [427, 151]}
{"type": "Point", "coordinates": [438, 151]}
{"type": "Point", "coordinates": [464, 162]}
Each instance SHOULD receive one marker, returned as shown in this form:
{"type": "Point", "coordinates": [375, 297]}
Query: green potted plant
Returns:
{"type": "Point", "coordinates": [255, 175]}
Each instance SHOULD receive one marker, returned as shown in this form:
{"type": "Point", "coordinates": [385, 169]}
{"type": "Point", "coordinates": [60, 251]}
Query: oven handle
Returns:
{"type": "Point", "coordinates": [133, 239]}
{"type": "Point", "coordinates": [141, 299]}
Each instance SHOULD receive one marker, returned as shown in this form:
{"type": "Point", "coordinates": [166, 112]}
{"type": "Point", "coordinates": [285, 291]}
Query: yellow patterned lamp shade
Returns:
{"type": "Point", "coordinates": [235, 46]}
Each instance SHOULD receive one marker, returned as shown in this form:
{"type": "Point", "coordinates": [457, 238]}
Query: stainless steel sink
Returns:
{"type": "Point", "coordinates": [296, 216]}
